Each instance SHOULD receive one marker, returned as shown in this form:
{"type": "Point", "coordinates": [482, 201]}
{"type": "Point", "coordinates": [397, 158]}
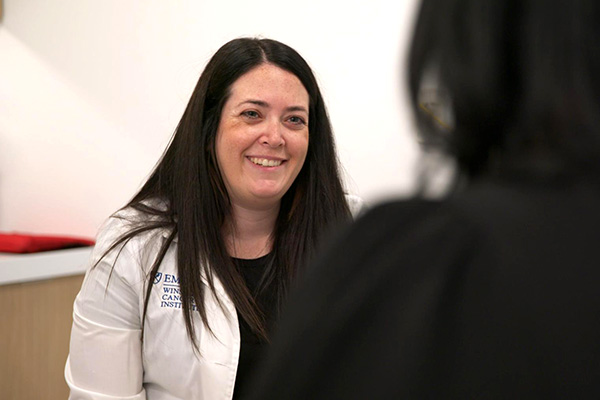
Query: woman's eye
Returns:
{"type": "Point", "coordinates": [297, 120]}
{"type": "Point", "coordinates": [251, 114]}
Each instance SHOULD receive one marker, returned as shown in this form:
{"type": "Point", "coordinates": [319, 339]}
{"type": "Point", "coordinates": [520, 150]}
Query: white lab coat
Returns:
{"type": "Point", "coordinates": [108, 360]}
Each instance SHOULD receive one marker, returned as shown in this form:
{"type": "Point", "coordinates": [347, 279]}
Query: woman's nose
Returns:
{"type": "Point", "coordinates": [273, 134]}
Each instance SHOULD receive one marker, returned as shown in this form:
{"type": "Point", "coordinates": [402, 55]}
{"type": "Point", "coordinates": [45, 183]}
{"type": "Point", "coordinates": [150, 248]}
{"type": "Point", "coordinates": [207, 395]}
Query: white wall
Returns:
{"type": "Point", "coordinates": [91, 91]}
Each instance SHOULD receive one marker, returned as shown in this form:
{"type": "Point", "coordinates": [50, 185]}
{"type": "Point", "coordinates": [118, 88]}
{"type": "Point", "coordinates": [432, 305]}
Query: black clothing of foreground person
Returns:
{"type": "Point", "coordinates": [492, 292]}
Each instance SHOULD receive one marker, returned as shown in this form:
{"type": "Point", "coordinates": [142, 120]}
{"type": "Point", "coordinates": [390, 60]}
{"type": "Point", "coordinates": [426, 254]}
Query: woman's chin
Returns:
{"type": "Point", "coordinates": [267, 198]}
{"type": "Point", "coordinates": [258, 200]}
{"type": "Point", "coordinates": [268, 192]}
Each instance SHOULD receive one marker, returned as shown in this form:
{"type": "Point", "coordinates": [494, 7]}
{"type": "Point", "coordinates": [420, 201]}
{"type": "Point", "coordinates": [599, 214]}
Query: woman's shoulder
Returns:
{"type": "Point", "coordinates": [484, 209]}
{"type": "Point", "coordinates": [394, 214]}
{"type": "Point", "coordinates": [410, 225]}
{"type": "Point", "coordinates": [472, 206]}
{"type": "Point", "coordinates": [134, 229]}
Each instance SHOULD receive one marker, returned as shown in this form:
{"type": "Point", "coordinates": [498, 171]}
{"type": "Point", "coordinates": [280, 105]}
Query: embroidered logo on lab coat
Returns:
{"type": "Point", "coordinates": [170, 293]}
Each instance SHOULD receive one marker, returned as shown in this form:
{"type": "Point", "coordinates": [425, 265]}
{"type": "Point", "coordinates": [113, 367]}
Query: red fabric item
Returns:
{"type": "Point", "coordinates": [25, 243]}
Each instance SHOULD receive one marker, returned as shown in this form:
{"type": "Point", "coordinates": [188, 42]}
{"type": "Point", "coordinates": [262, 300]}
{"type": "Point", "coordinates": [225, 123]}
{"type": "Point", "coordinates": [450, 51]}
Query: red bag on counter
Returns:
{"type": "Point", "coordinates": [25, 243]}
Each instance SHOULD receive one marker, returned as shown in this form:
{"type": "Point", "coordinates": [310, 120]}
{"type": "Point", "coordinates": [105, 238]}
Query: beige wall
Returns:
{"type": "Point", "coordinates": [34, 337]}
{"type": "Point", "coordinates": [86, 111]}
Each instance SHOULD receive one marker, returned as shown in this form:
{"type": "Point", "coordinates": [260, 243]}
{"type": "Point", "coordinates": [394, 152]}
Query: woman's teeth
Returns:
{"type": "Point", "coordinates": [265, 163]}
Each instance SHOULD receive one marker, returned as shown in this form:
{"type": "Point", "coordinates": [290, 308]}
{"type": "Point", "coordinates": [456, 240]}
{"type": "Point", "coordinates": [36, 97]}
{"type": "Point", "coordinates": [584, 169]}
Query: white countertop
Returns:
{"type": "Point", "coordinates": [17, 268]}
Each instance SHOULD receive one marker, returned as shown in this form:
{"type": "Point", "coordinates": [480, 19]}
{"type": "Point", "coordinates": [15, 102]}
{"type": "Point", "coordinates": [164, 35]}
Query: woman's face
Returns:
{"type": "Point", "coordinates": [262, 139]}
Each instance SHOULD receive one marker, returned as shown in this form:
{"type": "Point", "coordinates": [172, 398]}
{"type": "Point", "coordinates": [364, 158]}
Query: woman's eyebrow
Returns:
{"type": "Point", "coordinates": [297, 108]}
{"type": "Point", "coordinates": [255, 102]}
{"type": "Point", "coordinates": [262, 103]}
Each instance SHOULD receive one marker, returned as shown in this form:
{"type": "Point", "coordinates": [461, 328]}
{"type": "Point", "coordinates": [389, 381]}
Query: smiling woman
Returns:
{"type": "Point", "coordinates": [193, 271]}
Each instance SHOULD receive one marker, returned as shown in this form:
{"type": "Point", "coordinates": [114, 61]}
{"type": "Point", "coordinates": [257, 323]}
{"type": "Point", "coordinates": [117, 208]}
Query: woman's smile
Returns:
{"type": "Point", "coordinates": [266, 162]}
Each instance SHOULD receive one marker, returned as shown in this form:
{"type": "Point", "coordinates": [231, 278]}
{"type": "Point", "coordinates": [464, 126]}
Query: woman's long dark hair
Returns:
{"type": "Point", "coordinates": [186, 196]}
{"type": "Point", "coordinates": [523, 78]}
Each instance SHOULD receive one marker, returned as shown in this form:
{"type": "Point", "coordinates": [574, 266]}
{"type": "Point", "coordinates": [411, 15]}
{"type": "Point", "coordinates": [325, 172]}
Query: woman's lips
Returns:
{"type": "Point", "coordinates": [265, 162]}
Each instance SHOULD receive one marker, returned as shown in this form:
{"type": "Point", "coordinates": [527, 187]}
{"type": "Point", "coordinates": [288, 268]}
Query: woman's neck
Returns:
{"type": "Point", "coordinates": [248, 234]}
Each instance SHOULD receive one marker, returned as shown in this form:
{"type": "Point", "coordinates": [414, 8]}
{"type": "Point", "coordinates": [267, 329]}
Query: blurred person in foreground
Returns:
{"type": "Point", "coordinates": [493, 291]}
